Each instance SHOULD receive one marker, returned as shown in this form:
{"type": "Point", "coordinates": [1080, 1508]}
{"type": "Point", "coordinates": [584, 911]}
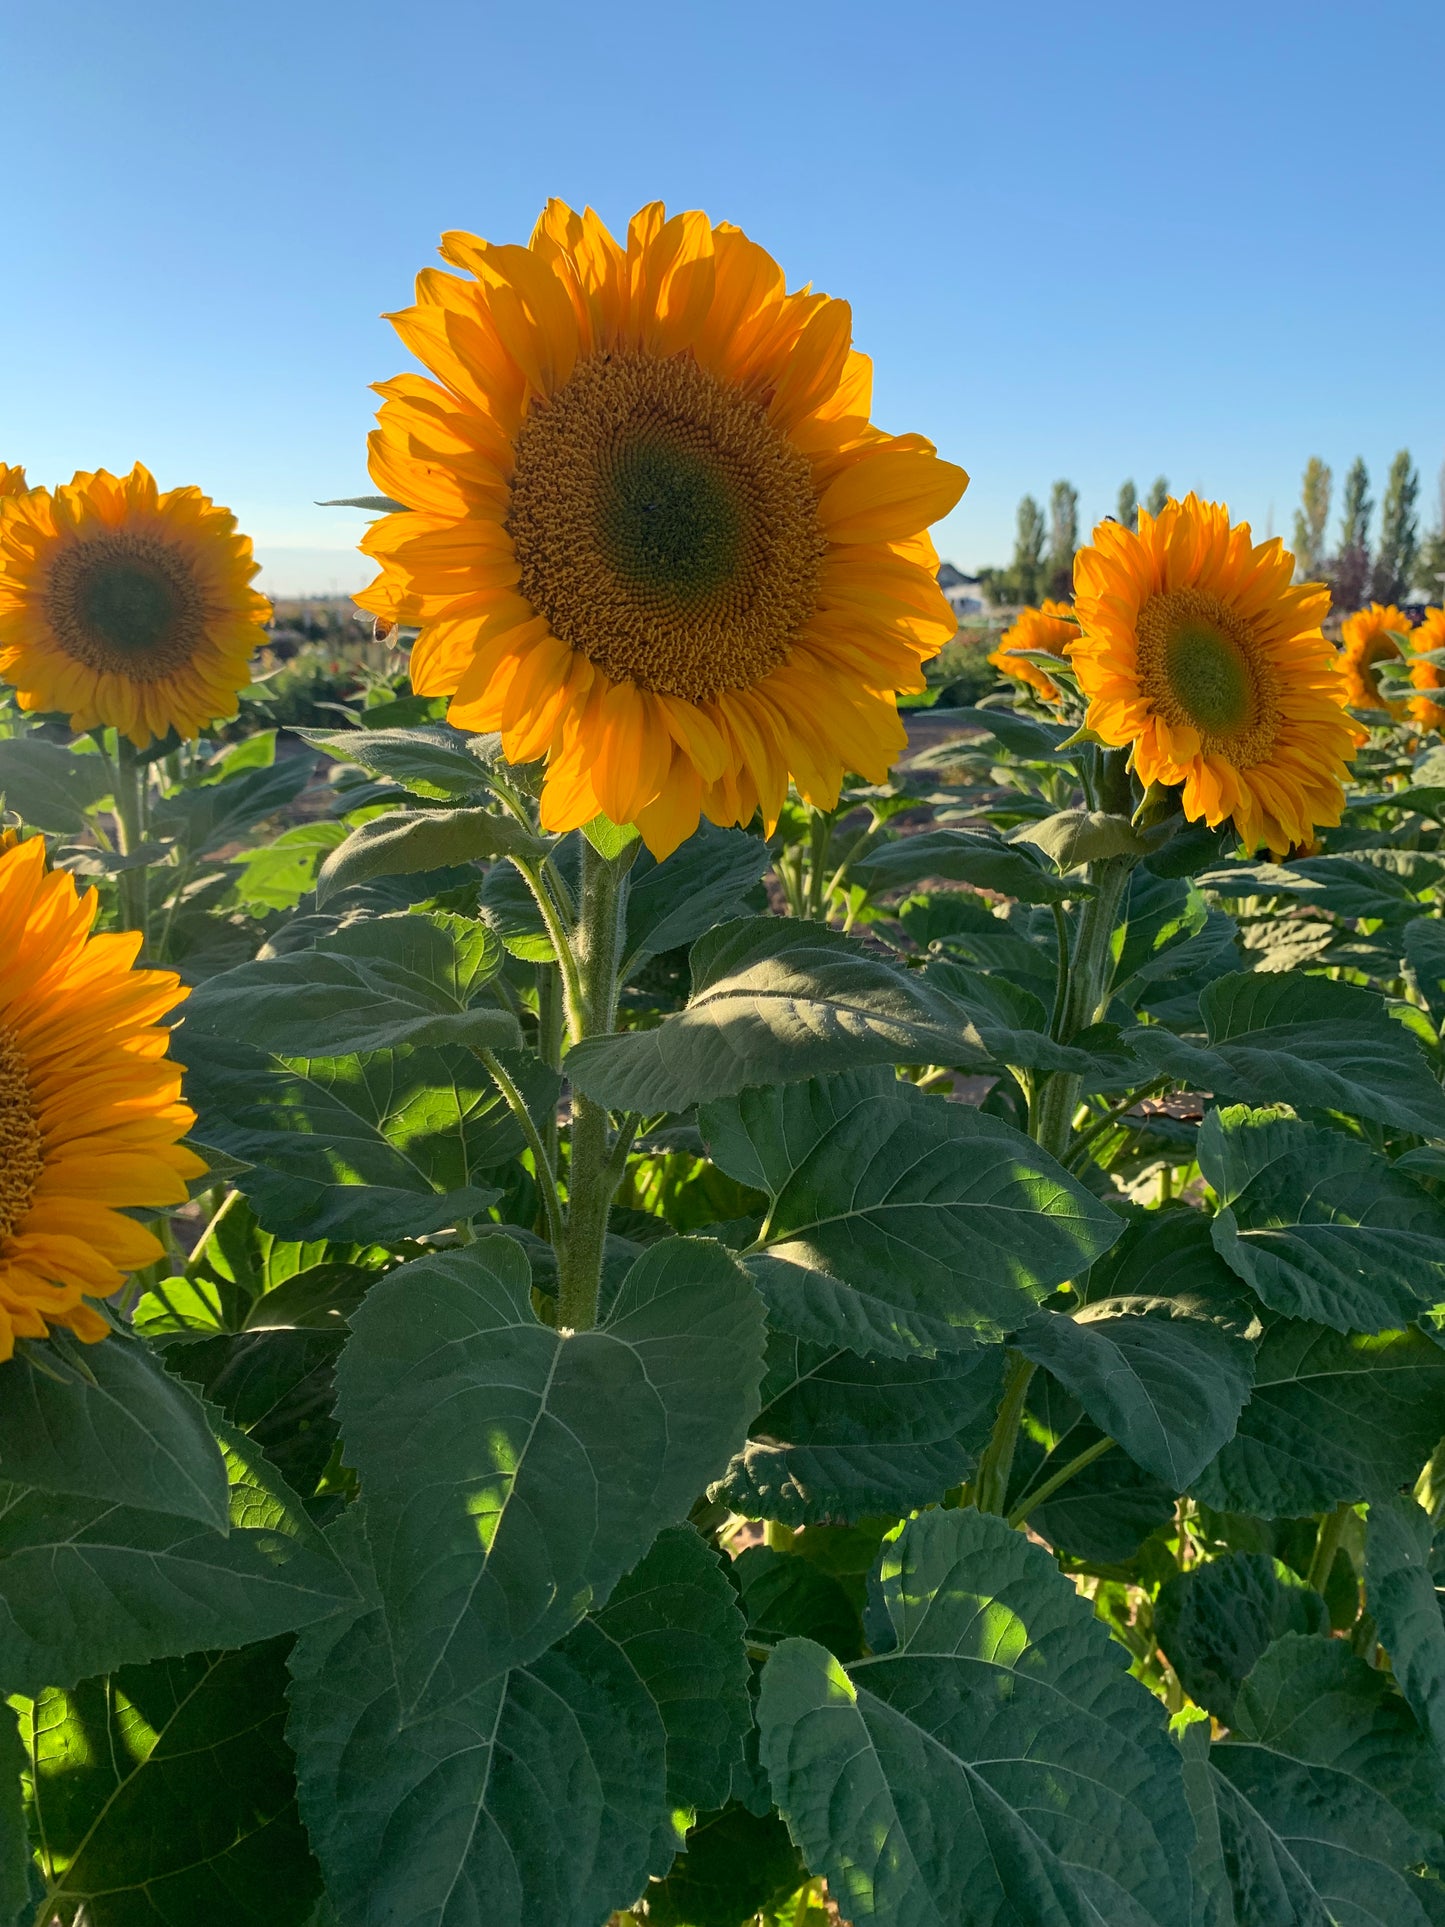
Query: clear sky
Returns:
{"type": "Point", "coordinates": [1089, 241]}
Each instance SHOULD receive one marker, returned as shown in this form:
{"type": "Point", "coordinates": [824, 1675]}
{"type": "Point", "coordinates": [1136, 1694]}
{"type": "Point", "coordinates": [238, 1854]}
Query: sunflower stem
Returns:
{"type": "Point", "coordinates": [990, 1485]}
{"type": "Point", "coordinates": [130, 778]}
{"type": "Point", "coordinates": [1086, 998]}
{"type": "Point", "coordinates": [593, 1174]}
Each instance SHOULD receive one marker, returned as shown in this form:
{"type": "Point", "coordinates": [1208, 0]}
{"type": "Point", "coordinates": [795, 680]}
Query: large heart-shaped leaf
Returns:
{"type": "Point", "coordinates": [165, 1793]}
{"type": "Point", "coordinates": [513, 1473]}
{"type": "Point", "coordinates": [1403, 1596]}
{"type": "Point", "coordinates": [87, 1586]}
{"type": "Point", "coordinates": [212, 815]}
{"type": "Point", "coordinates": [844, 1437]}
{"type": "Point", "coordinates": [15, 1856]}
{"type": "Point", "coordinates": [408, 841]}
{"type": "Point", "coordinates": [708, 879]}
{"type": "Point", "coordinates": [1319, 1225]}
{"type": "Point", "coordinates": [774, 1001]}
{"type": "Point", "coordinates": [1161, 1376]}
{"type": "Point", "coordinates": [1332, 1417]}
{"type": "Point", "coordinates": [993, 1764]}
{"type": "Point", "coordinates": [547, 1794]}
{"type": "Point", "coordinates": [1214, 1620]}
{"type": "Point", "coordinates": [51, 787]}
{"type": "Point", "coordinates": [963, 856]}
{"type": "Point", "coordinates": [1307, 1041]}
{"type": "Point", "coordinates": [109, 1424]}
{"type": "Point", "coordinates": [432, 760]}
{"type": "Point", "coordinates": [900, 1221]}
{"type": "Point", "coordinates": [1322, 1795]}
{"type": "Point", "coordinates": [389, 981]}
{"type": "Point", "coordinates": [388, 1145]}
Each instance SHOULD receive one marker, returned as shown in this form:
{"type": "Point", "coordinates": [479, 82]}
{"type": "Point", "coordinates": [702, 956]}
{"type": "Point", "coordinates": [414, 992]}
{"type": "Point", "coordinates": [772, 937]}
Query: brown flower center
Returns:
{"type": "Point", "coordinates": [1200, 663]}
{"type": "Point", "coordinates": [127, 603]}
{"type": "Point", "coordinates": [664, 526]}
{"type": "Point", "coordinates": [22, 1148]}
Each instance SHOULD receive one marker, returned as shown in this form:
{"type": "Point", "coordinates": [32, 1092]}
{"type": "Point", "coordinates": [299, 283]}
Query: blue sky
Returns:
{"type": "Point", "coordinates": [1079, 241]}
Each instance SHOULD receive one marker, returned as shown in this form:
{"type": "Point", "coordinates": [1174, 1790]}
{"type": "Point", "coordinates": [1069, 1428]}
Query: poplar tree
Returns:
{"type": "Point", "coordinates": [1028, 562]}
{"type": "Point", "coordinates": [1399, 532]}
{"type": "Point", "coordinates": [1063, 539]}
{"type": "Point", "coordinates": [1158, 495]}
{"type": "Point", "coordinates": [1127, 511]}
{"type": "Point", "coordinates": [1352, 564]}
{"type": "Point", "coordinates": [1312, 517]}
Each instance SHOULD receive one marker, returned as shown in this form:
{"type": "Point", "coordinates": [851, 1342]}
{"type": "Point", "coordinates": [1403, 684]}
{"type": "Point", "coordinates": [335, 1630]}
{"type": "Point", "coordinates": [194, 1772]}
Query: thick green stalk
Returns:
{"type": "Point", "coordinates": [1091, 969]}
{"type": "Point", "coordinates": [1327, 1544]}
{"type": "Point", "coordinates": [130, 777]}
{"type": "Point", "coordinates": [592, 1177]}
{"type": "Point", "coordinates": [990, 1487]}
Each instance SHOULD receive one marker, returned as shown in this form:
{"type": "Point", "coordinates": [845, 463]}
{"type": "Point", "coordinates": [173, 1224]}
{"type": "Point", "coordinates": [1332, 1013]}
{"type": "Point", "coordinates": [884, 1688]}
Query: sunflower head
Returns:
{"type": "Point", "coordinates": [1048, 630]}
{"type": "Point", "coordinates": [1426, 640]}
{"type": "Point", "coordinates": [1368, 638]}
{"type": "Point", "coordinates": [12, 481]}
{"type": "Point", "coordinates": [126, 608]}
{"type": "Point", "coordinates": [654, 538]}
{"type": "Point", "coordinates": [90, 1109]}
{"type": "Point", "coordinates": [1198, 652]}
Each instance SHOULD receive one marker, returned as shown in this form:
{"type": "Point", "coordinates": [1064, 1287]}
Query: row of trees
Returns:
{"type": "Point", "coordinates": [1043, 561]}
{"type": "Point", "coordinates": [1400, 560]}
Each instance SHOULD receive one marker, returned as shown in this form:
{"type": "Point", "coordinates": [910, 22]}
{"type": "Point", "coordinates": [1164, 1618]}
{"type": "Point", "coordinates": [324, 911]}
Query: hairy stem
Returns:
{"type": "Point", "coordinates": [1091, 970]}
{"type": "Point", "coordinates": [1327, 1544]}
{"type": "Point", "coordinates": [990, 1486]}
{"type": "Point", "coordinates": [517, 1105]}
{"type": "Point", "coordinates": [1050, 1486]}
{"type": "Point", "coordinates": [596, 948]}
{"type": "Point", "coordinates": [130, 778]}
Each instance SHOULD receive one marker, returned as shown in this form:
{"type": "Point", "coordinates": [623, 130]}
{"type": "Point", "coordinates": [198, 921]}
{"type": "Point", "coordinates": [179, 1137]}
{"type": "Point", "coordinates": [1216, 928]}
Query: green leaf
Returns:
{"type": "Point", "coordinates": [1425, 955]}
{"type": "Point", "coordinates": [277, 1386]}
{"type": "Point", "coordinates": [1401, 1593]}
{"type": "Point", "coordinates": [997, 1765]}
{"type": "Point", "coordinates": [1020, 735]}
{"type": "Point", "coordinates": [433, 760]}
{"type": "Point", "coordinates": [1013, 1027]}
{"type": "Point", "coordinates": [109, 1423]}
{"type": "Point", "coordinates": [785, 1596]}
{"type": "Point", "coordinates": [51, 787]}
{"type": "Point", "coordinates": [372, 986]}
{"type": "Point", "coordinates": [1319, 1225]}
{"type": "Point", "coordinates": [408, 841]}
{"type": "Point", "coordinates": [775, 1000]}
{"type": "Point", "coordinates": [709, 879]}
{"type": "Point", "coordinates": [962, 856]}
{"type": "Point", "coordinates": [607, 838]}
{"type": "Point", "coordinates": [900, 1221]}
{"type": "Point", "coordinates": [279, 874]}
{"type": "Point", "coordinates": [514, 1473]}
{"type": "Point", "coordinates": [208, 817]}
{"type": "Point", "coordinates": [1333, 1417]}
{"type": "Point", "coordinates": [1380, 884]}
{"type": "Point", "coordinates": [676, 1619]}
{"type": "Point", "coordinates": [15, 1856]}
{"type": "Point", "coordinates": [165, 1793]}
{"type": "Point", "coordinates": [87, 1586]}
{"type": "Point", "coordinates": [737, 1865]}
{"type": "Point", "coordinates": [541, 1796]}
{"type": "Point", "coordinates": [1214, 1621]}
{"type": "Point", "coordinates": [1161, 1376]}
{"type": "Point", "coordinates": [840, 1436]}
{"type": "Point", "coordinates": [1320, 1792]}
{"type": "Point", "coordinates": [1316, 1044]}
{"type": "Point", "coordinates": [390, 1145]}
{"type": "Point", "coordinates": [1073, 837]}
{"type": "Point", "coordinates": [1104, 1512]}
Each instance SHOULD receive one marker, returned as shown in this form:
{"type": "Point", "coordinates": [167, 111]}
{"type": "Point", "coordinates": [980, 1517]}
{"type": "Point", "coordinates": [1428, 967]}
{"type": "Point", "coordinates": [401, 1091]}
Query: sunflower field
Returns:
{"type": "Point", "coordinates": [633, 1293]}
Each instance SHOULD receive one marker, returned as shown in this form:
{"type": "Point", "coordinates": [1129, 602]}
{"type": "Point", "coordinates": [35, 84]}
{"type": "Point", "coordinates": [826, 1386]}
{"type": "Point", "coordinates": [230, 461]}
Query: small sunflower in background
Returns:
{"type": "Point", "coordinates": [1049, 629]}
{"type": "Point", "coordinates": [90, 1110]}
{"type": "Point", "coordinates": [126, 608]}
{"type": "Point", "coordinates": [1199, 652]}
{"type": "Point", "coordinates": [1366, 641]}
{"type": "Point", "coordinates": [1426, 640]}
{"type": "Point", "coordinates": [655, 538]}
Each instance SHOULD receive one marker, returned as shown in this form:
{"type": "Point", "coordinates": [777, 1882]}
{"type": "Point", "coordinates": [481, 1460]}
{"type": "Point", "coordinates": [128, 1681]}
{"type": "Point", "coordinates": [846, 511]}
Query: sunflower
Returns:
{"type": "Point", "coordinates": [123, 607]}
{"type": "Point", "coordinates": [1367, 642]}
{"type": "Point", "coordinates": [12, 481]}
{"type": "Point", "coordinates": [653, 537]}
{"type": "Point", "coordinates": [1048, 629]}
{"type": "Point", "coordinates": [1429, 637]}
{"type": "Point", "coordinates": [90, 1109]}
{"type": "Point", "coordinates": [1196, 650]}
